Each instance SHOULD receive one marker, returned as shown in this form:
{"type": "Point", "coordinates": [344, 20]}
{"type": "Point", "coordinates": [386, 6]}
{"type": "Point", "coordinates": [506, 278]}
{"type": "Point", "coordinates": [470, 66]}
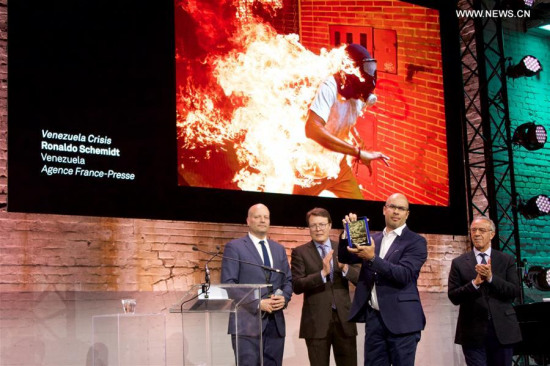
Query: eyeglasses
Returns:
{"type": "Point", "coordinates": [480, 229]}
{"type": "Point", "coordinates": [318, 226]}
{"type": "Point", "coordinates": [397, 208]}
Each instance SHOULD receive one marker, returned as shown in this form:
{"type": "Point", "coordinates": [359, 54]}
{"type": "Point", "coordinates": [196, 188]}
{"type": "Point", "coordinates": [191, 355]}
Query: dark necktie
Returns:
{"type": "Point", "coordinates": [330, 276]}
{"type": "Point", "coordinates": [483, 288]}
{"type": "Point", "coordinates": [483, 255]}
{"type": "Point", "coordinates": [323, 255]}
{"type": "Point", "coordinates": [267, 263]}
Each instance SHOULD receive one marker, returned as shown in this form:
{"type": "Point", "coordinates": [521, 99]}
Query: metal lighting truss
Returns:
{"type": "Point", "coordinates": [490, 180]}
{"type": "Point", "coordinates": [486, 123]}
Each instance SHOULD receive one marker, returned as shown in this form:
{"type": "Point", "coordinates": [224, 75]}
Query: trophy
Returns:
{"type": "Point", "coordinates": [358, 232]}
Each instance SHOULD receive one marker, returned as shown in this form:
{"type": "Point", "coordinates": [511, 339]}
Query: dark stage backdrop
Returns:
{"type": "Point", "coordinates": [99, 123]}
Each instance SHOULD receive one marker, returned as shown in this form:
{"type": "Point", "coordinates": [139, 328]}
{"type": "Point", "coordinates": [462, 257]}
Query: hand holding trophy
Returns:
{"type": "Point", "coordinates": [357, 230]}
{"type": "Point", "coordinates": [358, 236]}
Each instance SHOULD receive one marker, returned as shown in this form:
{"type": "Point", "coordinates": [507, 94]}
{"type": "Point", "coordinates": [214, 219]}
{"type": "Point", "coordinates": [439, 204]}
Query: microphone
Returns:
{"type": "Point", "coordinates": [206, 285]}
{"type": "Point", "coordinates": [196, 249]}
{"type": "Point", "coordinates": [206, 269]}
{"type": "Point", "coordinates": [271, 269]}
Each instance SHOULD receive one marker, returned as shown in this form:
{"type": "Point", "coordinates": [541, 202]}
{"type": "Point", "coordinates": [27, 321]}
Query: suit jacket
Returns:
{"type": "Point", "coordinates": [237, 272]}
{"type": "Point", "coordinates": [396, 277]}
{"type": "Point", "coordinates": [306, 266]}
{"type": "Point", "coordinates": [495, 297]}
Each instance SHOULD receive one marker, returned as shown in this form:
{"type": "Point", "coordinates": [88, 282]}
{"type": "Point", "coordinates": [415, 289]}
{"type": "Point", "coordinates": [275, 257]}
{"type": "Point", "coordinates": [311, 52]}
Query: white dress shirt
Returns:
{"type": "Point", "coordinates": [387, 241]}
{"type": "Point", "coordinates": [258, 246]}
{"type": "Point", "coordinates": [479, 259]}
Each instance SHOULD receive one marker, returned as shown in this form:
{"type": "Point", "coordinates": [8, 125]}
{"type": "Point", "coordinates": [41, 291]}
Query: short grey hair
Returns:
{"type": "Point", "coordinates": [485, 218]}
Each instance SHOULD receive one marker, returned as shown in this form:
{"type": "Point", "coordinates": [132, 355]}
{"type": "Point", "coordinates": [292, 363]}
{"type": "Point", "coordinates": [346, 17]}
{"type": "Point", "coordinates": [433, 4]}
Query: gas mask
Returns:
{"type": "Point", "coordinates": [351, 86]}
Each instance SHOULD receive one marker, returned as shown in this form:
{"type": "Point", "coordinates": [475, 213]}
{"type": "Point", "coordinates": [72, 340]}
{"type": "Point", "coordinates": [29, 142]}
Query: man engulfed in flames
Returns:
{"type": "Point", "coordinates": [245, 95]}
{"type": "Point", "coordinates": [333, 114]}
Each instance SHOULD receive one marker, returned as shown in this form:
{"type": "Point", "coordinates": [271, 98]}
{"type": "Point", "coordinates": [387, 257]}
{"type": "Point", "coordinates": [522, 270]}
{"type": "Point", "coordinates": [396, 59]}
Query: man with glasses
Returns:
{"type": "Point", "coordinates": [324, 282]}
{"type": "Point", "coordinates": [330, 125]}
{"type": "Point", "coordinates": [484, 282]}
{"type": "Point", "coordinates": [387, 298]}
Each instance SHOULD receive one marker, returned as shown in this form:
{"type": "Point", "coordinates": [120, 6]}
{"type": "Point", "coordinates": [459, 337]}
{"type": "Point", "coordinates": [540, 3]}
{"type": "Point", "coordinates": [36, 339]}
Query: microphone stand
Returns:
{"type": "Point", "coordinates": [270, 269]}
{"type": "Point", "coordinates": [206, 284]}
{"type": "Point", "coordinates": [266, 269]}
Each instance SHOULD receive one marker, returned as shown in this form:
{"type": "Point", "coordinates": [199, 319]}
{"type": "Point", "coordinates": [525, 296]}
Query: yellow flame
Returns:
{"type": "Point", "coordinates": [275, 79]}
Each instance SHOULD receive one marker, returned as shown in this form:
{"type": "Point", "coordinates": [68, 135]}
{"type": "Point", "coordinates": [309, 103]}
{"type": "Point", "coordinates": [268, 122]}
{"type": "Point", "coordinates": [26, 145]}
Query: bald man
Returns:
{"type": "Point", "coordinates": [387, 298]}
{"type": "Point", "coordinates": [256, 248]}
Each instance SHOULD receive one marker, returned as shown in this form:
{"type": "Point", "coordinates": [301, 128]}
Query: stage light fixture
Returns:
{"type": "Point", "coordinates": [539, 277]}
{"type": "Point", "coordinates": [528, 66]}
{"type": "Point", "coordinates": [530, 136]}
{"type": "Point", "coordinates": [518, 4]}
{"type": "Point", "coordinates": [536, 206]}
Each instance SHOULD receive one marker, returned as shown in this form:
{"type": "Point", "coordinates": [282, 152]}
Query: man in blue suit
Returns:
{"type": "Point", "coordinates": [386, 297]}
{"type": "Point", "coordinates": [256, 248]}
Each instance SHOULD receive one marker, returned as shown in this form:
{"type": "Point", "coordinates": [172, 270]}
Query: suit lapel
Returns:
{"type": "Point", "coordinates": [274, 256]}
{"type": "Point", "coordinates": [378, 242]}
{"type": "Point", "coordinates": [313, 253]}
{"type": "Point", "coordinates": [498, 263]}
{"type": "Point", "coordinates": [334, 246]}
{"type": "Point", "coordinates": [471, 262]}
{"type": "Point", "coordinates": [252, 248]}
{"type": "Point", "coordinates": [395, 246]}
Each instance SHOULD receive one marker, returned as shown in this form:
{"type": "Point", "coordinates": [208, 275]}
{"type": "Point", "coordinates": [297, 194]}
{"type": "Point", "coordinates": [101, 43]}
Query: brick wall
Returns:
{"type": "Point", "coordinates": [77, 253]}
{"type": "Point", "coordinates": [529, 101]}
{"type": "Point", "coordinates": [63, 253]}
{"type": "Point", "coordinates": [409, 116]}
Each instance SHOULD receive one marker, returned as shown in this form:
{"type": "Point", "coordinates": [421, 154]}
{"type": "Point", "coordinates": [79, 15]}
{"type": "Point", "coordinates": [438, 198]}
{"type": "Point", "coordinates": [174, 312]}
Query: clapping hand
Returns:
{"type": "Point", "coordinates": [484, 271]}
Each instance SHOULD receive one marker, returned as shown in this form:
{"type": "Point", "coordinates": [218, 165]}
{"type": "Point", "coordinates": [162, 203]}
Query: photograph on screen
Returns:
{"type": "Point", "coordinates": [216, 105]}
{"type": "Point", "coordinates": [247, 73]}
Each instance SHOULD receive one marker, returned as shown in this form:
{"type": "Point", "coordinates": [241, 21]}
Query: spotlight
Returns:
{"type": "Point", "coordinates": [518, 4]}
{"type": "Point", "coordinates": [535, 207]}
{"type": "Point", "coordinates": [530, 136]}
{"type": "Point", "coordinates": [539, 277]}
{"type": "Point", "coordinates": [528, 66]}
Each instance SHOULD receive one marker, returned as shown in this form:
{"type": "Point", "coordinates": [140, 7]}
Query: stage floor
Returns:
{"type": "Point", "coordinates": [55, 328]}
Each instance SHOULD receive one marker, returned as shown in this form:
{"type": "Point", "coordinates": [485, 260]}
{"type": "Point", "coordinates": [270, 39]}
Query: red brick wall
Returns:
{"type": "Point", "coordinates": [409, 117]}
{"type": "Point", "coordinates": [59, 253]}
{"type": "Point", "coordinates": [77, 253]}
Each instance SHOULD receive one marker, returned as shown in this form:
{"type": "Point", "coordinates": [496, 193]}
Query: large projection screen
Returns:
{"type": "Point", "coordinates": [195, 110]}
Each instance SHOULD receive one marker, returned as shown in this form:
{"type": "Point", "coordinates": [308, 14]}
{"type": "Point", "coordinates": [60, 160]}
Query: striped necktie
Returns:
{"type": "Point", "coordinates": [323, 255]}
{"type": "Point", "coordinates": [483, 255]}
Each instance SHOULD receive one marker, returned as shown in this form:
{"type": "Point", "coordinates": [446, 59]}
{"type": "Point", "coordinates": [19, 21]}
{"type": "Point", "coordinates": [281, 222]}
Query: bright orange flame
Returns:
{"type": "Point", "coordinates": [273, 80]}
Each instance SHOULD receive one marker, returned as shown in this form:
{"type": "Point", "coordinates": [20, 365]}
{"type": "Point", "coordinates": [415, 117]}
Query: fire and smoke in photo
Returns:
{"type": "Point", "coordinates": [243, 91]}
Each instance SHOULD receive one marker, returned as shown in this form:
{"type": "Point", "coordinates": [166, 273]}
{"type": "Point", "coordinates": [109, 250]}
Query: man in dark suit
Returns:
{"type": "Point", "coordinates": [317, 274]}
{"type": "Point", "coordinates": [257, 248]}
{"type": "Point", "coordinates": [484, 282]}
{"type": "Point", "coordinates": [387, 298]}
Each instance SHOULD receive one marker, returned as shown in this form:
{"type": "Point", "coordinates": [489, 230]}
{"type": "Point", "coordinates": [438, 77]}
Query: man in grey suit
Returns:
{"type": "Point", "coordinates": [256, 248]}
{"type": "Point", "coordinates": [324, 282]}
{"type": "Point", "coordinates": [484, 282]}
